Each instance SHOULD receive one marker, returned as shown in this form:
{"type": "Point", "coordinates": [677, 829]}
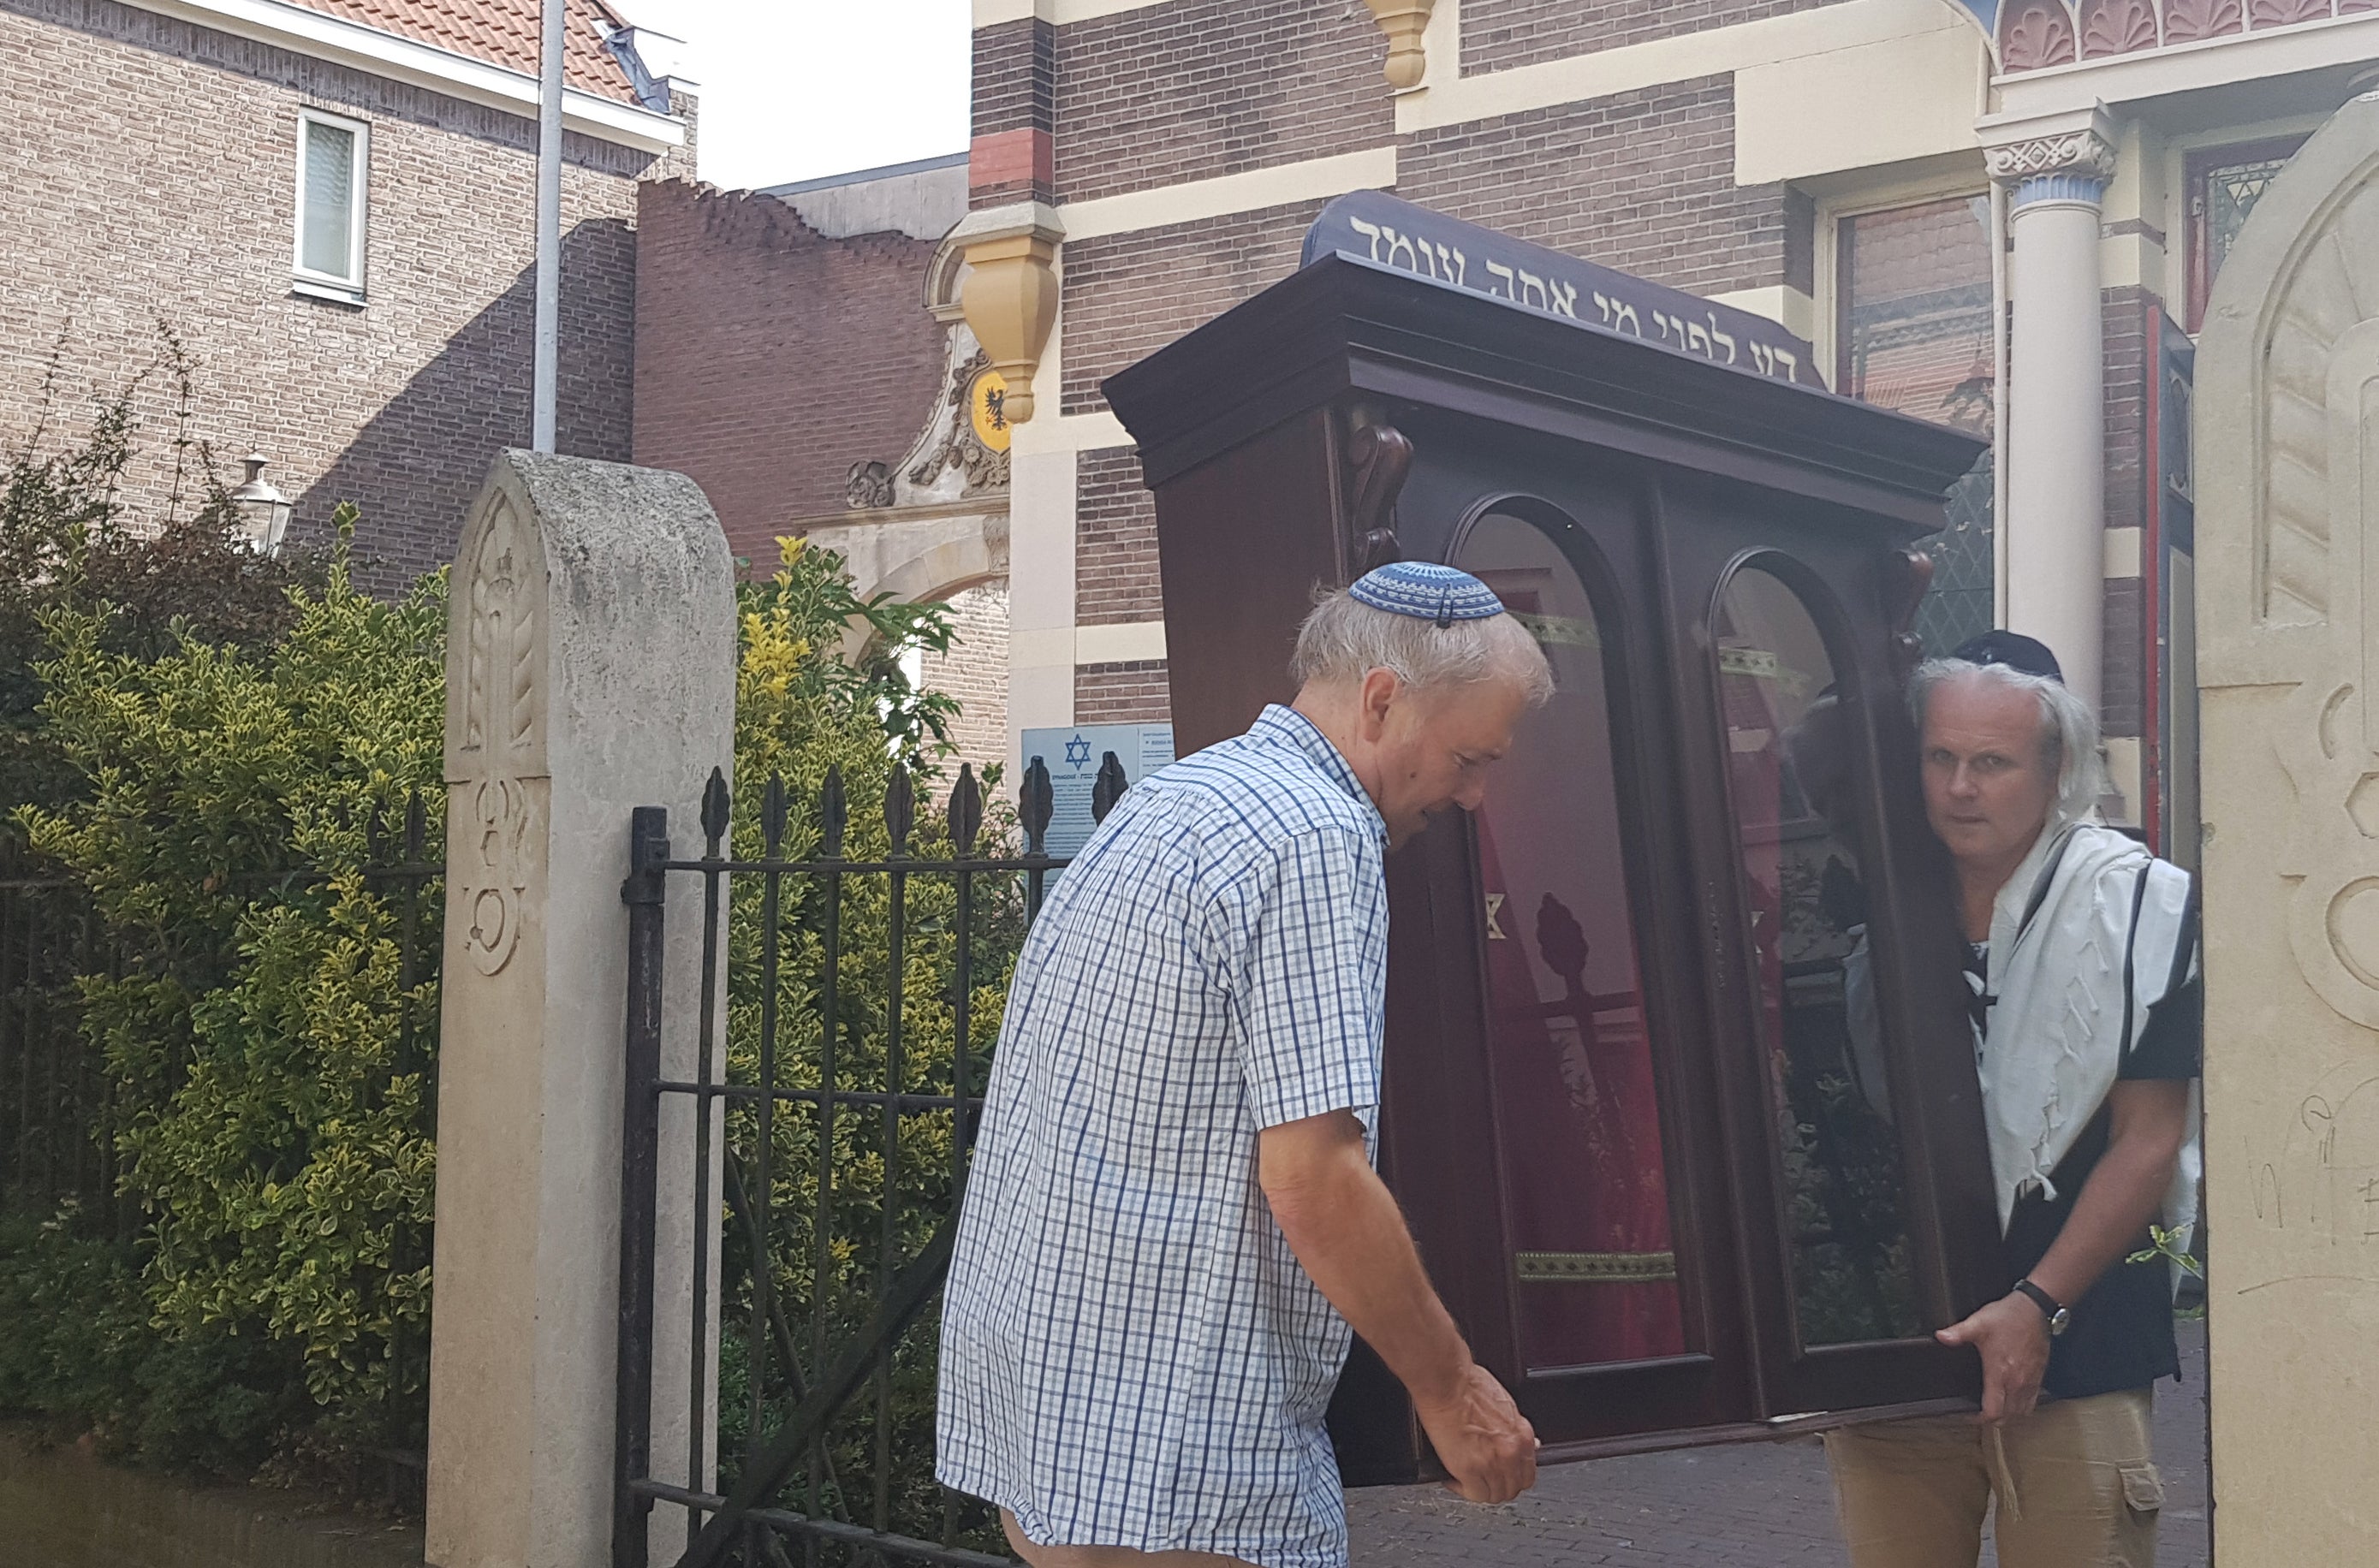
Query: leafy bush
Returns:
{"type": "Point", "coordinates": [69, 540]}
{"type": "Point", "coordinates": [255, 1023]}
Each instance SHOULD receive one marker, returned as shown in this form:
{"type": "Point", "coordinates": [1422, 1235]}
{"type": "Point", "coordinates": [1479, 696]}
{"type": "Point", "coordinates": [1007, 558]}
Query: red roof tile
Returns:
{"type": "Point", "coordinates": [503, 33]}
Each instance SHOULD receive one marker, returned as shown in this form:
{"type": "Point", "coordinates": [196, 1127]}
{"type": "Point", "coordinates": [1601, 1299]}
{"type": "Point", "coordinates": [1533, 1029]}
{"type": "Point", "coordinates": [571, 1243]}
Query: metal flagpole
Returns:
{"type": "Point", "coordinates": [549, 227]}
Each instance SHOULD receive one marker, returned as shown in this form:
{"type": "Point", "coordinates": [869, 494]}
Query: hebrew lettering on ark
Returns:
{"type": "Point", "coordinates": [1716, 336]}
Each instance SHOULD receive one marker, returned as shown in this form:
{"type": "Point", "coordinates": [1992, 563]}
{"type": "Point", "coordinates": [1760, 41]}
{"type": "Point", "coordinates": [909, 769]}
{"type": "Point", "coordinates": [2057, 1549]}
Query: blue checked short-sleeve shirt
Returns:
{"type": "Point", "coordinates": [1131, 1356]}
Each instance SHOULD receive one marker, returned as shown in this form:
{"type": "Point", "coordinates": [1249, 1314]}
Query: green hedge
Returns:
{"type": "Point", "coordinates": [221, 770]}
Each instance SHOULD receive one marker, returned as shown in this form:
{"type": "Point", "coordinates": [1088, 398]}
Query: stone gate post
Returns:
{"type": "Point", "coordinates": [2288, 522]}
{"type": "Point", "coordinates": [590, 669]}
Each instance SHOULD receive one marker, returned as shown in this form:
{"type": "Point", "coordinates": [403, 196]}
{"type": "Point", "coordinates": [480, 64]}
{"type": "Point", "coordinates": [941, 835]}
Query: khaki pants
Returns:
{"type": "Point", "coordinates": [1106, 1556]}
{"type": "Point", "coordinates": [2074, 1483]}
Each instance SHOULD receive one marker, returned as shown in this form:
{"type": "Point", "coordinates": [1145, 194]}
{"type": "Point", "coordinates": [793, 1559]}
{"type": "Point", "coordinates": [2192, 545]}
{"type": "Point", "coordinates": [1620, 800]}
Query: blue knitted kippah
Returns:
{"type": "Point", "coordinates": [1426, 591]}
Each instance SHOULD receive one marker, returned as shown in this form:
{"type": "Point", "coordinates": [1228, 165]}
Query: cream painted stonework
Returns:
{"type": "Point", "coordinates": [590, 671]}
{"type": "Point", "coordinates": [2287, 490]}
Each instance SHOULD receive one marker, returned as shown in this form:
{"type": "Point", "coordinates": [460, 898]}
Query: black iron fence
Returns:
{"type": "Point", "coordinates": [863, 980]}
{"type": "Point", "coordinates": [57, 1143]}
{"type": "Point", "coordinates": [63, 1111]}
{"type": "Point", "coordinates": [57, 1137]}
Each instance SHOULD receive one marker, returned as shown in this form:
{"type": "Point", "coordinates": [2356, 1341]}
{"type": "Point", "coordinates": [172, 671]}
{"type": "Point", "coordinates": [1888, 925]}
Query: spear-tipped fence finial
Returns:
{"type": "Point", "coordinates": [966, 811]}
{"type": "Point", "coordinates": [1107, 787]}
{"type": "Point", "coordinates": [772, 816]}
{"type": "Point", "coordinates": [900, 809]}
{"type": "Point", "coordinates": [1037, 803]}
{"type": "Point", "coordinates": [716, 806]}
{"type": "Point", "coordinates": [833, 813]}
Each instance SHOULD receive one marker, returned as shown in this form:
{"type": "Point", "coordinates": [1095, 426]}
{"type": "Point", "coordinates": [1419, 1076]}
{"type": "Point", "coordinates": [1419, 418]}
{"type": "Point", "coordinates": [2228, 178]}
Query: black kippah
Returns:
{"type": "Point", "coordinates": [2014, 650]}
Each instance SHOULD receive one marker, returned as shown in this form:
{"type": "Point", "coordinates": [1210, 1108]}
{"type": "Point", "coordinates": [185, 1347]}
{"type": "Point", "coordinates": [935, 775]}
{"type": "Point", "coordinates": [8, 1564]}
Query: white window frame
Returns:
{"type": "Point", "coordinates": [304, 279]}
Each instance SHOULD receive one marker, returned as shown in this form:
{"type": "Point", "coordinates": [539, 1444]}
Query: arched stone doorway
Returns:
{"type": "Point", "coordinates": [2288, 514]}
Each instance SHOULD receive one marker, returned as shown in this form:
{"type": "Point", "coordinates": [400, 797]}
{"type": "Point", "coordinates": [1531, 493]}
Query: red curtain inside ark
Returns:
{"type": "Point", "coordinates": [1585, 1187]}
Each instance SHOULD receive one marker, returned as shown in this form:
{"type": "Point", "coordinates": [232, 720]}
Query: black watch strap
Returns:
{"type": "Point", "coordinates": [2050, 1307]}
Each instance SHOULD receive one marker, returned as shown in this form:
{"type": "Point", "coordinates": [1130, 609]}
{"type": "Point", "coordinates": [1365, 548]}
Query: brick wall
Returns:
{"type": "Point", "coordinates": [769, 358]}
{"type": "Point", "coordinates": [152, 176]}
{"type": "Point", "coordinates": [1015, 83]}
{"type": "Point", "coordinates": [2123, 688]}
{"type": "Point", "coordinates": [1116, 577]}
{"type": "Point", "coordinates": [1641, 181]}
{"type": "Point", "coordinates": [1130, 294]}
{"type": "Point", "coordinates": [975, 673]}
{"type": "Point", "coordinates": [1132, 692]}
{"type": "Point", "coordinates": [1199, 87]}
{"type": "Point", "coordinates": [1500, 34]}
{"type": "Point", "coordinates": [2125, 313]}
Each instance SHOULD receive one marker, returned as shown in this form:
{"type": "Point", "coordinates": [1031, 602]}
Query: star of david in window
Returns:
{"type": "Point", "coordinates": [1077, 752]}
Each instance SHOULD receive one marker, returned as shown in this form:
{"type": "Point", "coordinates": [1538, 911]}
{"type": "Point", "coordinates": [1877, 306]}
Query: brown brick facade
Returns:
{"type": "Point", "coordinates": [1115, 578]}
{"type": "Point", "coordinates": [770, 357]}
{"type": "Point", "coordinates": [1498, 35]}
{"type": "Point", "coordinates": [2123, 690]}
{"type": "Point", "coordinates": [1015, 85]}
{"type": "Point", "coordinates": [1132, 692]}
{"type": "Point", "coordinates": [151, 176]}
{"type": "Point", "coordinates": [1641, 181]}
{"type": "Point", "coordinates": [2125, 314]}
{"type": "Point", "coordinates": [1200, 88]}
{"type": "Point", "coordinates": [975, 673]}
{"type": "Point", "coordinates": [1128, 295]}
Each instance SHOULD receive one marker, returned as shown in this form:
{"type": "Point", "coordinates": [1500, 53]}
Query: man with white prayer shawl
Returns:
{"type": "Point", "coordinates": [2083, 970]}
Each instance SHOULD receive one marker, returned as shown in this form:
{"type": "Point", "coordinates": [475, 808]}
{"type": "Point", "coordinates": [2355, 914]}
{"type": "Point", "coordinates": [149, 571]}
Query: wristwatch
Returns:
{"type": "Point", "coordinates": [2060, 1318]}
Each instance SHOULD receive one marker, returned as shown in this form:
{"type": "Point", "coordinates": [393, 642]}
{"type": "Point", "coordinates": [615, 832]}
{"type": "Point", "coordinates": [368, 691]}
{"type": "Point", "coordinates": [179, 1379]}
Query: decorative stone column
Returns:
{"type": "Point", "coordinates": [590, 669]}
{"type": "Point", "coordinates": [2055, 509]}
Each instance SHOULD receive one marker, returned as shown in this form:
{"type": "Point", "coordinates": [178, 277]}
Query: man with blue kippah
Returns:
{"type": "Point", "coordinates": [1172, 1225]}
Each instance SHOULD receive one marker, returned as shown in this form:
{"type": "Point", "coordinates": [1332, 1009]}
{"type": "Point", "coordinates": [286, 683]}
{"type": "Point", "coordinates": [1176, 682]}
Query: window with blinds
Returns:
{"type": "Point", "coordinates": [332, 159]}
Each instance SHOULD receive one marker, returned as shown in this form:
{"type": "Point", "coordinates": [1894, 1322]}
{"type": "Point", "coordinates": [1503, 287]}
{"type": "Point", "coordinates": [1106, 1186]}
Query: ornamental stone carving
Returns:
{"type": "Point", "coordinates": [1011, 292]}
{"type": "Point", "coordinates": [2291, 369]}
{"type": "Point", "coordinates": [869, 487]}
{"type": "Point", "coordinates": [961, 447]}
{"type": "Point", "coordinates": [2085, 153]}
{"type": "Point", "coordinates": [1405, 23]}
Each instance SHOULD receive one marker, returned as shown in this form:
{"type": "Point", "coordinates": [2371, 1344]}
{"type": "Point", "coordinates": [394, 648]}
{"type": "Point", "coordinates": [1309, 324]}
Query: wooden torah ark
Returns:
{"type": "Point", "coordinates": [1679, 1097]}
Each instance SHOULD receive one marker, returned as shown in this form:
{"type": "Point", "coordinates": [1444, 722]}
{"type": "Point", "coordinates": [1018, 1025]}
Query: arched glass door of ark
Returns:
{"type": "Point", "coordinates": [1794, 766]}
{"type": "Point", "coordinates": [1583, 1167]}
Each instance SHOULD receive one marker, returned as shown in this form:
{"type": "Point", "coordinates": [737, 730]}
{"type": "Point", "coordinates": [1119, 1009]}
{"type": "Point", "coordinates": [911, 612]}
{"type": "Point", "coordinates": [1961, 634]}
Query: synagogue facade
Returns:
{"type": "Point", "coordinates": [1872, 174]}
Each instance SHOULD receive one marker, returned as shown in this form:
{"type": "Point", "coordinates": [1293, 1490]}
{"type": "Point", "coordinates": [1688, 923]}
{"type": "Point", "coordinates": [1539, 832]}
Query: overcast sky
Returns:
{"type": "Point", "coordinates": [795, 89]}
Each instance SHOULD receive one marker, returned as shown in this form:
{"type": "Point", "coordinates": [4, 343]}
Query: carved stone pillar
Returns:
{"type": "Point", "coordinates": [590, 671]}
{"type": "Point", "coordinates": [1010, 294]}
{"type": "Point", "coordinates": [2288, 615]}
{"type": "Point", "coordinates": [2055, 509]}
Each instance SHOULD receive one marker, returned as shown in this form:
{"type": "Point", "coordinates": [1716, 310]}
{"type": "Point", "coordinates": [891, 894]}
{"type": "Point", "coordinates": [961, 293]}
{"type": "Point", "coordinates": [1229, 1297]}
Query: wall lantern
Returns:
{"type": "Point", "coordinates": [263, 510]}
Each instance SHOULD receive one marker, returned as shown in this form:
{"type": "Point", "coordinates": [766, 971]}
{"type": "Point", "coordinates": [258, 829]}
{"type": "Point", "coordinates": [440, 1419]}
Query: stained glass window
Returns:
{"type": "Point", "coordinates": [2224, 185]}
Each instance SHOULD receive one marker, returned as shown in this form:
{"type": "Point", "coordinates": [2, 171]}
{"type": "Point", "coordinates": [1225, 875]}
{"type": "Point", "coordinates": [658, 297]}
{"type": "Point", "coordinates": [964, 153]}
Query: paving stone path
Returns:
{"type": "Point", "coordinates": [1766, 1506]}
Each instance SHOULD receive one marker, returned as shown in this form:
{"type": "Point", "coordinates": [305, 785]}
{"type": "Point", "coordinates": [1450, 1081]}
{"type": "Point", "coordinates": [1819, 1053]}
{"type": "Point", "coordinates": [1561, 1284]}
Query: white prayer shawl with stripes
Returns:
{"type": "Point", "coordinates": [2085, 938]}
